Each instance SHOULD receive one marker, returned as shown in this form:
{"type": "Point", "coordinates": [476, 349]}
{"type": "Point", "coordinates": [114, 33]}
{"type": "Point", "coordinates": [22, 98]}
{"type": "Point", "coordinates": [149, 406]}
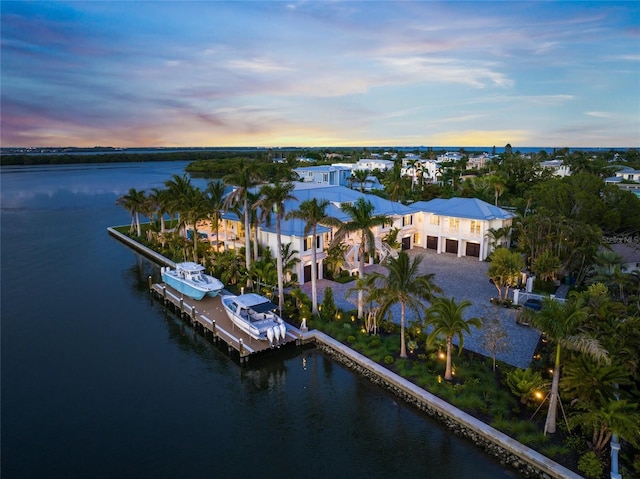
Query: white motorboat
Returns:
{"type": "Point", "coordinates": [256, 316]}
{"type": "Point", "coordinates": [189, 278]}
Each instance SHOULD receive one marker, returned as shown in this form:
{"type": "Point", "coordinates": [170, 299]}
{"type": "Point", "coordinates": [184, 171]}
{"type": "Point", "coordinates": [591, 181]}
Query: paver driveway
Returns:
{"type": "Point", "coordinates": [462, 278]}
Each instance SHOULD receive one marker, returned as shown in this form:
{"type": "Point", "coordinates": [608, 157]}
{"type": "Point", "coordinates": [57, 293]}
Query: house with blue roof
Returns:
{"type": "Point", "coordinates": [459, 225]}
{"type": "Point", "coordinates": [336, 175]}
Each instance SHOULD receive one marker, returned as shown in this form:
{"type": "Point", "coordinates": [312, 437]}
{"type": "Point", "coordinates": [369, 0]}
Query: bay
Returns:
{"type": "Point", "coordinates": [98, 380]}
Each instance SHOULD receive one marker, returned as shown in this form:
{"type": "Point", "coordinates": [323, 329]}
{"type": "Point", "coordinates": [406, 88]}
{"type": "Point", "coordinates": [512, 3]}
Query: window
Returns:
{"type": "Point", "coordinates": [325, 177]}
{"type": "Point", "coordinates": [307, 243]}
{"type": "Point", "coordinates": [434, 220]}
{"type": "Point", "coordinates": [475, 227]}
{"type": "Point", "coordinates": [407, 220]}
{"type": "Point", "coordinates": [454, 225]}
{"type": "Point", "coordinates": [310, 174]}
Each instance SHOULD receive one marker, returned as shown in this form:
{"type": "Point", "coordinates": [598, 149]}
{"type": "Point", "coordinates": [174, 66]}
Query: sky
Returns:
{"type": "Point", "coordinates": [320, 73]}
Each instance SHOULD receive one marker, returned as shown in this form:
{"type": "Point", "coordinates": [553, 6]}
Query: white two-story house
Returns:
{"type": "Point", "coordinates": [459, 225]}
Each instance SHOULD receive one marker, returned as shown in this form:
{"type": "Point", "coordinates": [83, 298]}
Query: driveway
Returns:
{"type": "Point", "coordinates": [462, 278]}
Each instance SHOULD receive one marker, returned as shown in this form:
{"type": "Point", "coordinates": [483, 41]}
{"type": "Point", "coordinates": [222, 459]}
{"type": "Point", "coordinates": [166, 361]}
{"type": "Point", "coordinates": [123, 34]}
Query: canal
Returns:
{"type": "Point", "coordinates": [98, 380]}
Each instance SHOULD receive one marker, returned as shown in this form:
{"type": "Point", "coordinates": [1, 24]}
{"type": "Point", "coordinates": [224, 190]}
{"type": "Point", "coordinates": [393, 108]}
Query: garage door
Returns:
{"type": "Point", "coordinates": [452, 246]}
{"type": "Point", "coordinates": [432, 242]}
{"type": "Point", "coordinates": [473, 249]}
{"type": "Point", "coordinates": [406, 243]}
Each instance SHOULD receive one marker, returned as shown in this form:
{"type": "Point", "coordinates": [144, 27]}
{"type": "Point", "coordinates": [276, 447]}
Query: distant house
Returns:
{"type": "Point", "coordinates": [627, 179]}
{"type": "Point", "coordinates": [374, 164]}
{"type": "Point", "coordinates": [335, 175]}
{"type": "Point", "coordinates": [557, 167]}
{"type": "Point", "coordinates": [459, 225]}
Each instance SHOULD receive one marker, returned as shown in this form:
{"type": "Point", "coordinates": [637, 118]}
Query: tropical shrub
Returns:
{"type": "Point", "coordinates": [590, 465]}
{"type": "Point", "coordinates": [525, 383]}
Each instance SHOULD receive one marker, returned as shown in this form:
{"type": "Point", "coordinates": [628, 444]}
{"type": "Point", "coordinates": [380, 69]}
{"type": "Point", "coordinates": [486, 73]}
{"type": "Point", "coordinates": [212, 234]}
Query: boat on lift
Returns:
{"type": "Point", "coordinates": [256, 316]}
{"type": "Point", "coordinates": [189, 279]}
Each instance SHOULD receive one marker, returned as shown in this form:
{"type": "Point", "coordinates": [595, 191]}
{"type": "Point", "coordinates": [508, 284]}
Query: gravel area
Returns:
{"type": "Point", "coordinates": [462, 278]}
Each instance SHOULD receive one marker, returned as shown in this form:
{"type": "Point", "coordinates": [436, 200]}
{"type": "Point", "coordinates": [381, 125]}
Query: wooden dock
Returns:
{"type": "Point", "coordinates": [209, 315]}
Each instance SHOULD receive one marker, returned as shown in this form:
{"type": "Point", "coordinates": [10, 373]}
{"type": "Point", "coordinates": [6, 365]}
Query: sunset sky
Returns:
{"type": "Point", "coordinates": [312, 73]}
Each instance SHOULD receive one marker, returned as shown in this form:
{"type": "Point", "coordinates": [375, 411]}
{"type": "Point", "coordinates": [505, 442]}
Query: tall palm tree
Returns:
{"type": "Point", "coordinates": [215, 193]}
{"type": "Point", "coordinates": [361, 177]}
{"type": "Point", "coordinates": [401, 282]}
{"type": "Point", "coordinates": [362, 221]}
{"type": "Point", "coordinates": [160, 198]}
{"type": "Point", "coordinates": [313, 213]}
{"type": "Point", "coordinates": [395, 184]}
{"type": "Point", "coordinates": [499, 184]}
{"type": "Point", "coordinates": [178, 186]}
{"type": "Point", "coordinates": [273, 198]}
{"type": "Point", "coordinates": [194, 207]}
{"type": "Point", "coordinates": [561, 323]}
{"type": "Point", "coordinates": [243, 180]}
{"type": "Point", "coordinates": [447, 318]}
{"type": "Point", "coordinates": [133, 201]}
{"type": "Point", "coordinates": [254, 221]}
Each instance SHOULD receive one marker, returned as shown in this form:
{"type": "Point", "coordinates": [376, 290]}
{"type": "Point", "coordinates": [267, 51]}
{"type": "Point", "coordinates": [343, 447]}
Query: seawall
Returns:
{"type": "Point", "coordinates": [508, 451]}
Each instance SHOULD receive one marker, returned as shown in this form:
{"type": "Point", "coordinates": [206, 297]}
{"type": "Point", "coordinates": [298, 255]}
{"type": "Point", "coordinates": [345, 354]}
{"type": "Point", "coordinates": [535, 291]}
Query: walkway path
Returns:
{"type": "Point", "coordinates": [462, 278]}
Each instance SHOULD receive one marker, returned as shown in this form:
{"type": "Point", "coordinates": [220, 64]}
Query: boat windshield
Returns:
{"type": "Point", "coordinates": [264, 307]}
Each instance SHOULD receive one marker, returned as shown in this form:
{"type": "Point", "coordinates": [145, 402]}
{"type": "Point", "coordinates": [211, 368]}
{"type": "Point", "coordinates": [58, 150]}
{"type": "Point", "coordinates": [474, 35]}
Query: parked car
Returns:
{"type": "Point", "coordinates": [533, 303]}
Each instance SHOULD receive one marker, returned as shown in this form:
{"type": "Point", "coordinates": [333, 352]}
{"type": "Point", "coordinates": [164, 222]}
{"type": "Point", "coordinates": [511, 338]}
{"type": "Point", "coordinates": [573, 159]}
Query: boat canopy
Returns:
{"type": "Point", "coordinates": [263, 307]}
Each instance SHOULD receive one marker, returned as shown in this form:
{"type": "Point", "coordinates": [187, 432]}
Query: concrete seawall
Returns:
{"type": "Point", "coordinates": [509, 451]}
{"type": "Point", "coordinates": [149, 253]}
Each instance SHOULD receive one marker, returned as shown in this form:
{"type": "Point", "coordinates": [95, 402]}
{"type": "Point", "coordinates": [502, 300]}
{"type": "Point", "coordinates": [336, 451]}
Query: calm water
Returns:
{"type": "Point", "coordinates": [98, 381]}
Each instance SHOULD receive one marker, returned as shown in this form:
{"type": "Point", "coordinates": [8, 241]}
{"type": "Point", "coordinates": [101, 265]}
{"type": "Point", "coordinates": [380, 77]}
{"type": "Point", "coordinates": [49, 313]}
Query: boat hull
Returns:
{"type": "Point", "coordinates": [185, 288]}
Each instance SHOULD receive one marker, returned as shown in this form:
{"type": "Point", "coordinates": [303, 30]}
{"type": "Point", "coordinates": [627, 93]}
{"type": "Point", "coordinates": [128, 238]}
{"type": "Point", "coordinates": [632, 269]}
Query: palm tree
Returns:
{"type": "Point", "coordinates": [620, 417]}
{"type": "Point", "coordinates": [178, 186]}
{"type": "Point", "coordinates": [160, 198]}
{"type": "Point", "coordinates": [244, 180]}
{"type": "Point", "coordinates": [498, 183]}
{"type": "Point", "coordinates": [133, 201]}
{"type": "Point", "coordinates": [361, 177]}
{"type": "Point", "coordinates": [194, 207]}
{"type": "Point", "coordinates": [401, 282]}
{"type": "Point", "coordinates": [561, 323]}
{"type": "Point", "coordinates": [394, 183]}
{"type": "Point", "coordinates": [447, 319]}
{"type": "Point", "coordinates": [361, 221]}
{"type": "Point", "coordinates": [273, 197]}
{"type": "Point", "coordinates": [313, 213]}
{"type": "Point", "coordinates": [215, 198]}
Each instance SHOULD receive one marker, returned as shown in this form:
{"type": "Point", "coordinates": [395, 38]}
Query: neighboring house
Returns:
{"type": "Point", "coordinates": [627, 179]}
{"type": "Point", "coordinates": [477, 161]}
{"type": "Point", "coordinates": [458, 225]}
{"type": "Point", "coordinates": [557, 167]}
{"type": "Point", "coordinates": [625, 173]}
{"type": "Point", "coordinates": [427, 170]}
{"type": "Point", "coordinates": [374, 164]}
{"type": "Point", "coordinates": [336, 175]}
{"type": "Point", "coordinates": [450, 156]}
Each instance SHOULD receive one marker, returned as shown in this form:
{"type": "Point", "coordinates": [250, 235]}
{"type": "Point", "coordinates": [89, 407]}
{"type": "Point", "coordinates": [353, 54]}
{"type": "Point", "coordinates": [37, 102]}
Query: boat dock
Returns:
{"type": "Point", "coordinates": [209, 316]}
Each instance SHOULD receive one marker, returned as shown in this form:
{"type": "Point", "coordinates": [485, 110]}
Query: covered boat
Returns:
{"type": "Point", "coordinates": [189, 279]}
{"type": "Point", "coordinates": [256, 316]}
